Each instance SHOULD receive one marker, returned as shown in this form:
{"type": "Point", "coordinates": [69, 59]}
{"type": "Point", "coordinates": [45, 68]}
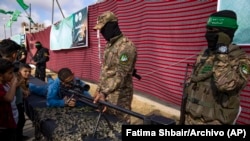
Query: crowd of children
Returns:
{"type": "Point", "coordinates": [14, 77]}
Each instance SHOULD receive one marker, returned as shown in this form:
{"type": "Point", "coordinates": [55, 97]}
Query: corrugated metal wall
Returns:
{"type": "Point", "coordinates": [168, 36]}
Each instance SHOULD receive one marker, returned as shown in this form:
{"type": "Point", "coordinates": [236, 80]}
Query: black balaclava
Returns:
{"type": "Point", "coordinates": [212, 38]}
{"type": "Point", "coordinates": [229, 29]}
{"type": "Point", "coordinates": [110, 30]}
{"type": "Point", "coordinates": [38, 45]}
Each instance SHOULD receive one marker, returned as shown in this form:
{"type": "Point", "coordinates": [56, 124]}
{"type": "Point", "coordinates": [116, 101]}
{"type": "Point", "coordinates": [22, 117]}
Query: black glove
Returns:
{"type": "Point", "coordinates": [223, 43]}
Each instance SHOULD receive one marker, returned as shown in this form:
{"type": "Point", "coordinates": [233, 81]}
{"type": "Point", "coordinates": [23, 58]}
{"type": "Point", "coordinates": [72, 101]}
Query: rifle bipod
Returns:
{"type": "Point", "coordinates": [152, 119]}
{"type": "Point", "coordinates": [101, 114]}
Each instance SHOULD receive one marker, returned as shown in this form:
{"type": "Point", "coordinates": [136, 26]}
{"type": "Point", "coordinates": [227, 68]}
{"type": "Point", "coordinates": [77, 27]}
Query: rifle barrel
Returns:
{"type": "Point", "coordinates": [86, 99]}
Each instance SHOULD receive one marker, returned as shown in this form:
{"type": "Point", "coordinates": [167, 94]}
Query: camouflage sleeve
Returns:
{"type": "Point", "coordinates": [98, 88]}
{"type": "Point", "coordinates": [125, 63]}
{"type": "Point", "coordinates": [126, 60]}
{"type": "Point", "coordinates": [230, 75]}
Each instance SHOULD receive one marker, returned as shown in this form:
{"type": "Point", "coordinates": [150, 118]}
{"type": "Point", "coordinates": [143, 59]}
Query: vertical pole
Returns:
{"type": "Point", "coordinates": [30, 18]}
{"type": "Point", "coordinates": [53, 1]}
{"type": "Point", "coordinates": [4, 31]}
{"type": "Point", "coordinates": [11, 30]}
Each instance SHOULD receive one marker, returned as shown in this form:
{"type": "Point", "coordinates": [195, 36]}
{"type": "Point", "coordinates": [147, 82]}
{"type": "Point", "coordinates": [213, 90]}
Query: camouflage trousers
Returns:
{"type": "Point", "coordinates": [190, 120]}
{"type": "Point", "coordinates": [122, 99]}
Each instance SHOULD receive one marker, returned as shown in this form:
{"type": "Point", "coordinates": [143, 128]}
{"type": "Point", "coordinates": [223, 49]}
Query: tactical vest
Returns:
{"type": "Point", "coordinates": [205, 102]}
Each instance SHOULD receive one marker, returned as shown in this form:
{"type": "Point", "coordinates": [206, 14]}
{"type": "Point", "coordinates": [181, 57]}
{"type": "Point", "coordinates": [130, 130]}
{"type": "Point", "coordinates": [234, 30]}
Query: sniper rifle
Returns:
{"type": "Point", "coordinates": [152, 119]}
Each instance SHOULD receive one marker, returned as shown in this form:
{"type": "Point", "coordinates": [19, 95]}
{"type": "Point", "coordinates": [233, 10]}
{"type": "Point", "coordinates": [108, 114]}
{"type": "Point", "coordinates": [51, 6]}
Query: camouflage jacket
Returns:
{"type": "Point", "coordinates": [215, 85]}
{"type": "Point", "coordinates": [41, 56]}
{"type": "Point", "coordinates": [118, 65]}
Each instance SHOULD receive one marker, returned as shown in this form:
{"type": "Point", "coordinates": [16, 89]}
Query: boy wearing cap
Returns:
{"type": "Point", "coordinates": [221, 71]}
{"type": "Point", "coordinates": [115, 82]}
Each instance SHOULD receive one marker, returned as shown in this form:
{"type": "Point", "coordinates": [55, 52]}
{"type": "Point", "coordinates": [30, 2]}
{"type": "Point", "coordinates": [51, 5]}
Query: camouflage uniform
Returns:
{"type": "Point", "coordinates": [117, 68]}
{"type": "Point", "coordinates": [213, 91]}
{"type": "Point", "coordinates": [41, 57]}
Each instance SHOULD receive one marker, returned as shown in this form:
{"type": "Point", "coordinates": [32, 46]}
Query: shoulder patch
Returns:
{"type": "Point", "coordinates": [124, 58]}
{"type": "Point", "coordinates": [245, 69]}
{"type": "Point", "coordinates": [46, 54]}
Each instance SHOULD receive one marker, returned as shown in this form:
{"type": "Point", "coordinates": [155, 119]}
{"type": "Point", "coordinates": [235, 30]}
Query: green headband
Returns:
{"type": "Point", "coordinates": [37, 44]}
{"type": "Point", "coordinates": [222, 22]}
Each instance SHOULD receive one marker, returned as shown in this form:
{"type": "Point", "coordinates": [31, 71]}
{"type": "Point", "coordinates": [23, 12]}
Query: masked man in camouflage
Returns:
{"type": "Point", "coordinates": [221, 71]}
{"type": "Point", "coordinates": [40, 59]}
{"type": "Point", "coordinates": [115, 83]}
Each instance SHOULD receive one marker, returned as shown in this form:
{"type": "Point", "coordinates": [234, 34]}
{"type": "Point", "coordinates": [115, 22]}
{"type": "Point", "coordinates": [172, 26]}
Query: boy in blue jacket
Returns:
{"type": "Point", "coordinates": [56, 97]}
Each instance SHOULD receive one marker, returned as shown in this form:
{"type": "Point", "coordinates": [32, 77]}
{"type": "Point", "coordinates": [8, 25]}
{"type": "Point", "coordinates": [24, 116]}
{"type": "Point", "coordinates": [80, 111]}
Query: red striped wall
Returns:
{"type": "Point", "coordinates": [168, 35]}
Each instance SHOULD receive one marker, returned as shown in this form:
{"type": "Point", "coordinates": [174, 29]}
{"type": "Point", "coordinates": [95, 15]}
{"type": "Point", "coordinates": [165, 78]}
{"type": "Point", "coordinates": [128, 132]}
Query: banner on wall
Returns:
{"type": "Point", "coordinates": [79, 35]}
{"type": "Point", "coordinates": [60, 34]}
{"type": "Point", "coordinates": [19, 38]}
{"type": "Point", "coordinates": [71, 32]}
{"type": "Point", "coordinates": [242, 9]}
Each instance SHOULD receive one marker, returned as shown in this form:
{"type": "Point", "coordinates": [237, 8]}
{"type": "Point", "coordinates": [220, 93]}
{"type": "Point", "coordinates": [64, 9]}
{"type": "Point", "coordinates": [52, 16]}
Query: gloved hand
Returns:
{"type": "Point", "coordinates": [223, 43]}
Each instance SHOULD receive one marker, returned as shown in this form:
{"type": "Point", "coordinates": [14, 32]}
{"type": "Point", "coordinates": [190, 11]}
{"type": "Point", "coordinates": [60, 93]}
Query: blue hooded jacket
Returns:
{"type": "Point", "coordinates": [52, 92]}
{"type": "Point", "coordinates": [53, 96]}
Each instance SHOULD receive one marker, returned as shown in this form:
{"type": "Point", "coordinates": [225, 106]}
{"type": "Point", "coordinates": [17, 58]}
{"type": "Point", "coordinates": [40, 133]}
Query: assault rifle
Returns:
{"type": "Point", "coordinates": [184, 98]}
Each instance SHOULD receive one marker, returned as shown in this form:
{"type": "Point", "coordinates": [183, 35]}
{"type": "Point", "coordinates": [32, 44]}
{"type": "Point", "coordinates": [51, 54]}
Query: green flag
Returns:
{"type": "Point", "coordinates": [31, 20]}
{"type": "Point", "coordinates": [6, 12]}
{"type": "Point", "coordinates": [22, 4]}
{"type": "Point", "coordinates": [2, 11]}
{"type": "Point", "coordinates": [13, 18]}
{"type": "Point", "coordinates": [15, 15]}
{"type": "Point", "coordinates": [9, 23]}
{"type": "Point", "coordinates": [9, 12]}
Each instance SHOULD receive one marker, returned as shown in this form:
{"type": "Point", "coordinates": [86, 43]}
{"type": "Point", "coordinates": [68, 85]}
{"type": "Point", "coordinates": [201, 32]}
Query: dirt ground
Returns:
{"type": "Point", "coordinates": [141, 104]}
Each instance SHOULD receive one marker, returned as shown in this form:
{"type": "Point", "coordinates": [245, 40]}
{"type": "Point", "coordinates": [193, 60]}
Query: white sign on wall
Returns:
{"type": "Point", "coordinates": [242, 9]}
